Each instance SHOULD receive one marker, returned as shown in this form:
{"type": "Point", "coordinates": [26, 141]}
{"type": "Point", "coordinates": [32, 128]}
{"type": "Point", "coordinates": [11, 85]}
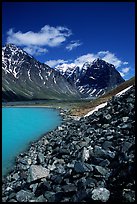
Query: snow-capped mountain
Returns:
{"type": "Point", "coordinates": [23, 77]}
{"type": "Point", "coordinates": [93, 78]}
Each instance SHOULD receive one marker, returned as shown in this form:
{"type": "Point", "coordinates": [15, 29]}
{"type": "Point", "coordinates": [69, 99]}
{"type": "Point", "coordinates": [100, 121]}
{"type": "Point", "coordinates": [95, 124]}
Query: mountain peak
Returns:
{"type": "Point", "coordinates": [11, 46]}
{"type": "Point", "coordinates": [99, 60]}
{"type": "Point", "coordinates": [23, 78]}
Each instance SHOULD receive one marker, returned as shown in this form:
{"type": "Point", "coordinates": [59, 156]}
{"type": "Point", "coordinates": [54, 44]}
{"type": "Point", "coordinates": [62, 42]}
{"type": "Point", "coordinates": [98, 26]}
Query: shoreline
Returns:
{"type": "Point", "coordinates": [85, 160]}
{"type": "Point", "coordinates": [64, 117]}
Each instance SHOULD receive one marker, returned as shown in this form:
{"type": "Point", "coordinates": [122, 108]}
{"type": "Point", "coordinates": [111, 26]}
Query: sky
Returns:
{"type": "Point", "coordinates": [71, 33]}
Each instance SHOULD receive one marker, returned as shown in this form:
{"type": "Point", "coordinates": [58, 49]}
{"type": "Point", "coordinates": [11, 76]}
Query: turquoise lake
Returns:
{"type": "Point", "coordinates": [20, 126]}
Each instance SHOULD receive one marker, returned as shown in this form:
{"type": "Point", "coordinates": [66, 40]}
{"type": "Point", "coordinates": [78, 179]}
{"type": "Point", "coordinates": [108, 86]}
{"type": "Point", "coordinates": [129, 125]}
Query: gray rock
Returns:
{"type": "Point", "coordinates": [91, 182]}
{"type": "Point", "coordinates": [4, 198]}
{"type": "Point", "coordinates": [12, 200]}
{"type": "Point", "coordinates": [41, 199]}
{"type": "Point", "coordinates": [15, 176]}
{"type": "Point", "coordinates": [80, 167]}
{"type": "Point", "coordinates": [12, 195]}
{"type": "Point", "coordinates": [99, 152]}
{"type": "Point", "coordinates": [34, 187]}
{"type": "Point", "coordinates": [107, 117]}
{"type": "Point", "coordinates": [50, 196]}
{"type": "Point", "coordinates": [126, 146]}
{"type": "Point", "coordinates": [101, 194]}
{"type": "Point", "coordinates": [102, 170]}
{"type": "Point", "coordinates": [129, 195]}
{"type": "Point", "coordinates": [37, 172]}
{"type": "Point", "coordinates": [69, 187]}
{"type": "Point", "coordinates": [104, 163]}
{"type": "Point", "coordinates": [110, 137]}
{"type": "Point", "coordinates": [85, 154]}
{"type": "Point", "coordinates": [40, 158]}
{"type": "Point", "coordinates": [125, 119]}
{"type": "Point", "coordinates": [106, 145]}
{"type": "Point", "coordinates": [24, 196]}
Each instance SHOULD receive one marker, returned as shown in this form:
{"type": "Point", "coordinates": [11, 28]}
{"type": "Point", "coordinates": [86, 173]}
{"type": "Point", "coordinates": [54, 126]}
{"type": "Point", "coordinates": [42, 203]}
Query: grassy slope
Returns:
{"type": "Point", "coordinates": [78, 108]}
{"type": "Point", "coordinates": [83, 109]}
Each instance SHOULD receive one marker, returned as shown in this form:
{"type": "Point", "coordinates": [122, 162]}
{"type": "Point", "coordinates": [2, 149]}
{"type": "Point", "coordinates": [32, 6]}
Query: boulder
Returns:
{"type": "Point", "coordinates": [24, 196]}
{"type": "Point", "coordinates": [37, 172]}
{"type": "Point", "coordinates": [101, 194]}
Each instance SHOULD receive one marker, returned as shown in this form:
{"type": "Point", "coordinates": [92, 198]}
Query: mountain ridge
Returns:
{"type": "Point", "coordinates": [93, 78]}
{"type": "Point", "coordinates": [25, 78]}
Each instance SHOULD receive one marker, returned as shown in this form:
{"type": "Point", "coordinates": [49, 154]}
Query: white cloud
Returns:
{"type": "Point", "coordinates": [72, 45]}
{"type": "Point", "coordinates": [32, 41]}
{"type": "Point", "coordinates": [53, 63]}
{"type": "Point", "coordinates": [110, 58]}
{"type": "Point", "coordinates": [35, 50]}
{"type": "Point", "coordinates": [122, 74]}
{"type": "Point", "coordinates": [47, 36]}
{"type": "Point", "coordinates": [125, 70]}
{"type": "Point", "coordinates": [84, 58]}
{"type": "Point", "coordinates": [104, 55]}
{"type": "Point", "coordinates": [125, 63]}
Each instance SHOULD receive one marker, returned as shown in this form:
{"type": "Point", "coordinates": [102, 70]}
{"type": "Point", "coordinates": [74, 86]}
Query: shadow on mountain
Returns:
{"type": "Point", "coordinates": [9, 96]}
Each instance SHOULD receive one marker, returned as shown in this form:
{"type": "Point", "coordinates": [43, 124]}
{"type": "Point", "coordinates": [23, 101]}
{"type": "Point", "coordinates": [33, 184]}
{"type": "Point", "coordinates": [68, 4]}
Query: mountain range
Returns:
{"type": "Point", "coordinates": [93, 78]}
{"type": "Point", "coordinates": [25, 78]}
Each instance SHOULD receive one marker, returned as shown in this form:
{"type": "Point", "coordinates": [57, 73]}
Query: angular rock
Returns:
{"type": "Point", "coordinates": [106, 145]}
{"type": "Point", "coordinates": [104, 163]}
{"type": "Point", "coordinates": [80, 167]}
{"type": "Point", "coordinates": [37, 172]}
{"type": "Point", "coordinates": [50, 196]}
{"type": "Point", "coordinates": [85, 154]}
{"type": "Point", "coordinates": [126, 146]}
{"type": "Point", "coordinates": [40, 158]}
{"type": "Point", "coordinates": [101, 194]}
{"type": "Point", "coordinates": [12, 200]}
{"type": "Point", "coordinates": [107, 117]}
{"type": "Point", "coordinates": [69, 187]}
{"type": "Point", "coordinates": [125, 119]}
{"type": "Point", "coordinates": [129, 195]}
{"type": "Point", "coordinates": [24, 196]}
{"type": "Point", "coordinates": [41, 199]}
{"type": "Point", "coordinates": [102, 171]}
{"type": "Point", "coordinates": [99, 152]}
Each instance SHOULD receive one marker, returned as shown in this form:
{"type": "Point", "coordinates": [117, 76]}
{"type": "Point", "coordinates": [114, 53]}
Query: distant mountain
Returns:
{"type": "Point", "coordinates": [94, 78]}
{"type": "Point", "coordinates": [23, 78]}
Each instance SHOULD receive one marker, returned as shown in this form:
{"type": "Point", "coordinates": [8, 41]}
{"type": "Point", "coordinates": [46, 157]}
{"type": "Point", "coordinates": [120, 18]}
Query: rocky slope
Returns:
{"type": "Point", "coordinates": [24, 78]}
{"type": "Point", "coordinates": [89, 160]}
{"type": "Point", "coordinates": [94, 78]}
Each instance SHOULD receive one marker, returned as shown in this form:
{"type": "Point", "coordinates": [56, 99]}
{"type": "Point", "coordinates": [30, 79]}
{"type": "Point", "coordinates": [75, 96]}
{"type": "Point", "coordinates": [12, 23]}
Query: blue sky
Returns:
{"type": "Point", "coordinates": [70, 33]}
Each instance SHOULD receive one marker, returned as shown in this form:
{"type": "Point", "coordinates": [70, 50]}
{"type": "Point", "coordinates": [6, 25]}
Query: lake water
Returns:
{"type": "Point", "coordinates": [20, 126]}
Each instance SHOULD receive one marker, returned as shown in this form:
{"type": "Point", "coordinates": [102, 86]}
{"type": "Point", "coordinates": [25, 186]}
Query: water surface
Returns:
{"type": "Point", "coordinates": [20, 126]}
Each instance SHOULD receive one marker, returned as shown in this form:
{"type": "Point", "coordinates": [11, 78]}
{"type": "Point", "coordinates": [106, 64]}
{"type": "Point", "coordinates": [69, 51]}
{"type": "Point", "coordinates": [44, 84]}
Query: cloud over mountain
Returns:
{"type": "Point", "coordinates": [47, 36]}
{"type": "Point", "coordinates": [89, 57]}
{"type": "Point", "coordinates": [73, 44]}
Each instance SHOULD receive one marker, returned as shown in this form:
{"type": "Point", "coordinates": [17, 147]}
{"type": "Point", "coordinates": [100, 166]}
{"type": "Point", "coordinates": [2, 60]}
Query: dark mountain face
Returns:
{"type": "Point", "coordinates": [94, 78]}
{"type": "Point", "coordinates": [23, 77]}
